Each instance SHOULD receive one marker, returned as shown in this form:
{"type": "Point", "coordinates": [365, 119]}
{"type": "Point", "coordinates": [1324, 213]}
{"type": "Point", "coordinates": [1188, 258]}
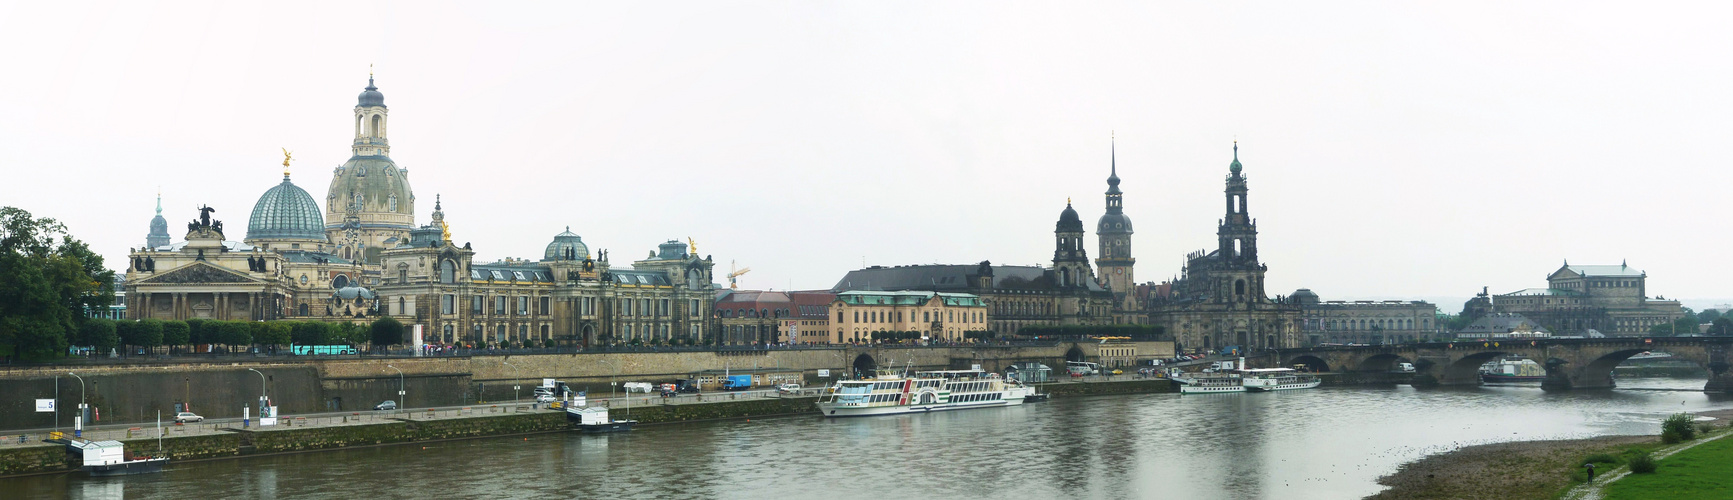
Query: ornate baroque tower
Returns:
{"type": "Point", "coordinates": [1070, 260]}
{"type": "Point", "coordinates": [369, 207]}
{"type": "Point", "coordinates": [1241, 276]}
{"type": "Point", "coordinates": [158, 228]}
{"type": "Point", "coordinates": [1113, 233]}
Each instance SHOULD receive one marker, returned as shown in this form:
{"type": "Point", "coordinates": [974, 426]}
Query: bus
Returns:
{"type": "Point", "coordinates": [321, 350]}
{"type": "Point", "coordinates": [1081, 368]}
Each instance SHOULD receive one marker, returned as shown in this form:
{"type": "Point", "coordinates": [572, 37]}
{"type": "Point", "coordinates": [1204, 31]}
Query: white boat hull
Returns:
{"type": "Point", "coordinates": [1210, 389]}
{"type": "Point", "coordinates": [841, 410]}
{"type": "Point", "coordinates": [1285, 387]}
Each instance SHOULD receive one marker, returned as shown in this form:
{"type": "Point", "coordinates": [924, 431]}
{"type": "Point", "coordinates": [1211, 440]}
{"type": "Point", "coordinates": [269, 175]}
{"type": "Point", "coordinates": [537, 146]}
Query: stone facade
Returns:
{"type": "Point", "coordinates": [1612, 300]}
{"type": "Point", "coordinates": [362, 257]}
{"type": "Point", "coordinates": [767, 317]}
{"type": "Point", "coordinates": [1364, 321]}
{"type": "Point", "coordinates": [209, 277]}
{"type": "Point", "coordinates": [566, 299]}
{"type": "Point", "coordinates": [1219, 299]}
{"type": "Point", "coordinates": [369, 206]}
{"type": "Point", "coordinates": [938, 316]}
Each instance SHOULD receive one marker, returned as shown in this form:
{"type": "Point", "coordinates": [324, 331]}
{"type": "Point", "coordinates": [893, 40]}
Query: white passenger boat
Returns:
{"type": "Point", "coordinates": [1210, 383]}
{"type": "Point", "coordinates": [1277, 379]}
{"type": "Point", "coordinates": [941, 390]}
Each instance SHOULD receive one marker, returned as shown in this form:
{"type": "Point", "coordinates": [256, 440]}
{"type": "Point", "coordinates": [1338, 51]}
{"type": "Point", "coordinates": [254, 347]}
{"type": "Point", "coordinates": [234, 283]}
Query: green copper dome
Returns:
{"type": "Point", "coordinates": [286, 212]}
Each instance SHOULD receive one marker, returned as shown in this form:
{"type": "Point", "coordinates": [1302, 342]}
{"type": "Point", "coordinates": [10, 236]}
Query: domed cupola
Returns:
{"type": "Point", "coordinates": [158, 236]}
{"type": "Point", "coordinates": [286, 212]}
{"type": "Point", "coordinates": [1068, 220]}
{"type": "Point", "coordinates": [371, 96]}
{"type": "Point", "coordinates": [566, 246]}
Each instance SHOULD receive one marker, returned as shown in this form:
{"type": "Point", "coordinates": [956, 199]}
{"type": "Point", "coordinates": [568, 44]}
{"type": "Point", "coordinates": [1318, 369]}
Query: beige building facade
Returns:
{"type": "Point", "coordinates": [937, 316]}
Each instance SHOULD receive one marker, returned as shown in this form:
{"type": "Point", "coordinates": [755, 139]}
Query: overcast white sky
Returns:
{"type": "Point", "coordinates": [1394, 149]}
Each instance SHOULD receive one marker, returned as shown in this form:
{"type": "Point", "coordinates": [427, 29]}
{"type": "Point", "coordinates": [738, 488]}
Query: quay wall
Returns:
{"type": "Point", "coordinates": [52, 458]}
{"type": "Point", "coordinates": [1067, 389]}
{"type": "Point", "coordinates": [133, 393]}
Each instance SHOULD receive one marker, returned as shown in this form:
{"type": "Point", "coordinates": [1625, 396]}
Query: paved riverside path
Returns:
{"type": "Point", "coordinates": [1593, 490]}
{"type": "Point", "coordinates": [145, 430]}
{"type": "Point", "coordinates": [364, 417]}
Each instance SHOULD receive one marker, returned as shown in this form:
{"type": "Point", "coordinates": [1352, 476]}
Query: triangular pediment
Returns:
{"type": "Point", "coordinates": [198, 273]}
{"type": "Point", "coordinates": [1563, 272]}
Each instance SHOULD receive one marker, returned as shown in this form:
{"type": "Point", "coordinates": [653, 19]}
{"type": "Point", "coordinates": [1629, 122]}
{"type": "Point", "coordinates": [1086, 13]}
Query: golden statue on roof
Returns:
{"type": "Point", "coordinates": [286, 157]}
{"type": "Point", "coordinates": [692, 244]}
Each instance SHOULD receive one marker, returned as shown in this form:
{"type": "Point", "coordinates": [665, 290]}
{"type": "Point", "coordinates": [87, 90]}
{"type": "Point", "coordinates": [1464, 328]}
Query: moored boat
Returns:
{"type": "Point", "coordinates": [940, 390]}
{"type": "Point", "coordinates": [1512, 370]}
{"type": "Point", "coordinates": [595, 419]}
{"type": "Point", "coordinates": [1277, 379]}
{"type": "Point", "coordinates": [1210, 383]}
{"type": "Point", "coordinates": [108, 458]}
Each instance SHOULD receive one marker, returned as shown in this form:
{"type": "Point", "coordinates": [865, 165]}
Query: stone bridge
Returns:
{"type": "Point", "coordinates": [1570, 363]}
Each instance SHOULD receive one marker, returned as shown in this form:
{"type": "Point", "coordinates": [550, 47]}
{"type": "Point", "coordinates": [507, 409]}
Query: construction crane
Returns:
{"type": "Point", "coordinates": [735, 273]}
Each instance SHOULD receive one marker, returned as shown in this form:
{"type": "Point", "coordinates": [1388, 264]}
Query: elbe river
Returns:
{"type": "Point", "coordinates": [1326, 443]}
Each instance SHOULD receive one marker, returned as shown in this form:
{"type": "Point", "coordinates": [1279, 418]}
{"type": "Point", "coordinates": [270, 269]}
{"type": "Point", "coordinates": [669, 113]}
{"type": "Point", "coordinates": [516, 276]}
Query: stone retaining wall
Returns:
{"type": "Point", "coordinates": [53, 458]}
{"type": "Point", "coordinates": [1099, 388]}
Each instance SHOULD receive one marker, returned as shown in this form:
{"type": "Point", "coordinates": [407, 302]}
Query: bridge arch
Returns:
{"type": "Point", "coordinates": [1380, 363]}
{"type": "Point", "coordinates": [865, 366]}
{"type": "Point", "coordinates": [1075, 354]}
{"type": "Point", "coordinates": [1599, 373]}
{"type": "Point", "coordinates": [1313, 363]}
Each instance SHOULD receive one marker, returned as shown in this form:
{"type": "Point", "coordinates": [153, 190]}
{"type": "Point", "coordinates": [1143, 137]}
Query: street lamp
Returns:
{"type": "Point", "coordinates": [261, 384]}
{"type": "Point", "coordinates": [78, 421]}
{"type": "Point", "coordinates": [401, 401]}
{"type": "Point", "coordinates": [514, 383]}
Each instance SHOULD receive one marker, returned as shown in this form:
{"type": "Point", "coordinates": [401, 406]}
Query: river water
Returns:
{"type": "Point", "coordinates": [1326, 443]}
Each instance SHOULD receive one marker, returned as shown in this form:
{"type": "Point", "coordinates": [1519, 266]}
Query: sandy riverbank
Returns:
{"type": "Point", "coordinates": [1501, 471]}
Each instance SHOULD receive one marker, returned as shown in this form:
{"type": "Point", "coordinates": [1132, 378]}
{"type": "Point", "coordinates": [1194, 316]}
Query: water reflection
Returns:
{"type": "Point", "coordinates": [1328, 443]}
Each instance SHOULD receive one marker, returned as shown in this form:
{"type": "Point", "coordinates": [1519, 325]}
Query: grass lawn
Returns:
{"type": "Point", "coordinates": [1704, 472]}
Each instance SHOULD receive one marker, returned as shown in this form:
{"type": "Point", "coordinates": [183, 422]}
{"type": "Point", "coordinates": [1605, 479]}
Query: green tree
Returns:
{"type": "Point", "coordinates": [126, 330]}
{"type": "Point", "coordinates": [200, 331]}
{"type": "Point", "coordinates": [307, 332]}
{"type": "Point", "coordinates": [234, 333]}
{"type": "Point", "coordinates": [1682, 326]}
{"type": "Point", "coordinates": [175, 333]}
{"type": "Point", "coordinates": [275, 333]}
{"type": "Point", "coordinates": [49, 282]}
{"type": "Point", "coordinates": [1722, 326]}
{"type": "Point", "coordinates": [1708, 315]}
{"type": "Point", "coordinates": [94, 330]}
{"type": "Point", "coordinates": [104, 339]}
{"type": "Point", "coordinates": [149, 333]}
{"type": "Point", "coordinates": [386, 331]}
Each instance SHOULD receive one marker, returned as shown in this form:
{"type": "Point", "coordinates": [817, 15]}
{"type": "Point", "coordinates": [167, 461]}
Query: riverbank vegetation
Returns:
{"type": "Point", "coordinates": [1702, 472]}
{"type": "Point", "coordinates": [1504, 471]}
{"type": "Point", "coordinates": [1550, 469]}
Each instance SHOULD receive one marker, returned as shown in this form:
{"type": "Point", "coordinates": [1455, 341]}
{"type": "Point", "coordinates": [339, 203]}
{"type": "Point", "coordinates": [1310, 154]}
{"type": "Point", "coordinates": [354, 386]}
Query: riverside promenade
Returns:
{"type": "Point", "coordinates": [228, 438]}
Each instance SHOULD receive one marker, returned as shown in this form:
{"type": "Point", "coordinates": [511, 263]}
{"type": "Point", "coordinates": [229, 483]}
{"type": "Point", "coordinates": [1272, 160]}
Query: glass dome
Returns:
{"type": "Point", "coordinates": [286, 212]}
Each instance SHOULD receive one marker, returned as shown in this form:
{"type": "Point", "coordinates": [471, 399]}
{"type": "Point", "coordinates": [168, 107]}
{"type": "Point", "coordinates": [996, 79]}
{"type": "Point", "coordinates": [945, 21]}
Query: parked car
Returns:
{"type": "Point", "coordinates": [787, 388]}
{"type": "Point", "coordinates": [387, 405]}
{"type": "Point", "coordinates": [187, 416]}
{"type": "Point", "coordinates": [545, 398]}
